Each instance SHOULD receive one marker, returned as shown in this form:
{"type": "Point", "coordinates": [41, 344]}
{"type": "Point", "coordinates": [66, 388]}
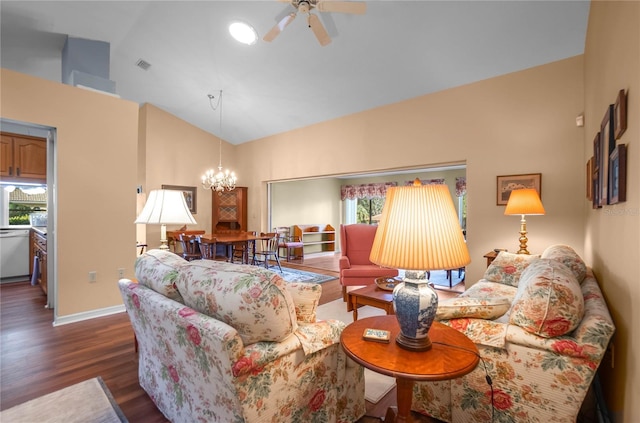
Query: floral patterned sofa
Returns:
{"type": "Point", "coordinates": [541, 326]}
{"type": "Point", "coordinates": [222, 342]}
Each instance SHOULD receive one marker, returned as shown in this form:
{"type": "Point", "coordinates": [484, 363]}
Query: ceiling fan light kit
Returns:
{"type": "Point", "coordinates": [243, 33]}
{"type": "Point", "coordinates": [313, 22]}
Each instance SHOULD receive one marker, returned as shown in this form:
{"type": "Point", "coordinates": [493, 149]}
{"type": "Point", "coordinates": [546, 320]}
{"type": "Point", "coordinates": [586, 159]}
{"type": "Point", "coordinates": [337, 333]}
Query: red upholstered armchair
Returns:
{"type": "Point", "coordinates": [355, 267]}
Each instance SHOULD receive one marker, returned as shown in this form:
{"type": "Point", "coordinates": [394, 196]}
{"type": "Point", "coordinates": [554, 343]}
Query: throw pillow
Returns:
{"type": "Point", "coordinates": [567, 256]}
{"type": "Point", "coordinates": [507, 267]}
{"type": "Point", "coordinates": [549, 301]}
{"type": "Point", "coordinates": [158, 270]}
{"type": "Point", "coordinates": [306, 297]}
{"type": "Point", "coordinates": [251, 299]}
{"type": "Point", "coordinates": [480, 308]}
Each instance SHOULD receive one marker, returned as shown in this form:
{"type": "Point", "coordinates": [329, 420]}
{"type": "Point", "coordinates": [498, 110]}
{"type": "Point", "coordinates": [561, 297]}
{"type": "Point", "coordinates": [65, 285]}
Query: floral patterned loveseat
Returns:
{"type": "Point", "coordinates": [541, 326]}
{"type": "Point", "coordinates": [222, 342]}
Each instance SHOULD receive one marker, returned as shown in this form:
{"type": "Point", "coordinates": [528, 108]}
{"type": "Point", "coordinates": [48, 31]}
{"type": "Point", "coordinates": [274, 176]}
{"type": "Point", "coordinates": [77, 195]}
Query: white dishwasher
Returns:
{"type": "Point", "coordinates": [14, 253]}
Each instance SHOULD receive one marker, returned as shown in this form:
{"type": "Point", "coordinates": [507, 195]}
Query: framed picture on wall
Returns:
{"type": "Point", "coordinates": [618, 175]}
{"type": "Point", "coordinates": [189, 193]}
{"type": "Point", "coordinates": [607, 144]}
{"type": "Point", "coordinates": [507, 183]}
{"type": "Point", "coordinates": [595, 177]}
{"type": "Point", "coordinates": [589, 179]}
{"type": "Point", "coordinates": [620, 114]}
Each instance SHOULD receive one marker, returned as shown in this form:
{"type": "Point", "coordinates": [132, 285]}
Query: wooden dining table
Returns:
{"type": "Point", "coordinates": [230, 238]}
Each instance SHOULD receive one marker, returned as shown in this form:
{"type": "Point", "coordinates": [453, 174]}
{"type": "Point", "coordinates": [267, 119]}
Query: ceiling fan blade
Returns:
{"type": "Point", "coordinates": [279, 27]}
{"type": "Point", "coordinates": [354, 7]}
{"type": "Point", "coordinates": [318, 29]}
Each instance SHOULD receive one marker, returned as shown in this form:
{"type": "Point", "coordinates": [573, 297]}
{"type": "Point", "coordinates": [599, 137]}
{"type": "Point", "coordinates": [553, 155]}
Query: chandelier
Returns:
{"type": "Point", "coordinates": [222, 180]}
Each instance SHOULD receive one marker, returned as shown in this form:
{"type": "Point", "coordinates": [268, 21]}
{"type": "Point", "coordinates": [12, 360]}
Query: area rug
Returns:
{"type": "Point", "coordinates": [376, 385]}
{"type": "Point", "coordinates": [295, 275]}
{"type": "Point", "coordinates": [88, 401]}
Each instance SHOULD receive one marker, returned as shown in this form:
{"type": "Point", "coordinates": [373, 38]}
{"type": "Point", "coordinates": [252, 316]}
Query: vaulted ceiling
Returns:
{"type": "Point", "coordinates": [397, 50]}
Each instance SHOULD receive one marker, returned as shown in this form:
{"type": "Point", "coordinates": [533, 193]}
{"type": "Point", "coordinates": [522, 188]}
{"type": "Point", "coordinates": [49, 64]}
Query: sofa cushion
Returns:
{"type": "Point", "coordinates": [507, 267]}
{"type": "Point", "coordinates": [567, 256]}
{"type": "Point", "coordinates": [251, 299]}
{"type": "Point", "coordinates": [481, 308]}
{"type": "Point", "coordinates": [306, 297]}
{"type": "Point", "coordinates": [549, 300]}
{"type": "Point", "coordinates": [158, 270]}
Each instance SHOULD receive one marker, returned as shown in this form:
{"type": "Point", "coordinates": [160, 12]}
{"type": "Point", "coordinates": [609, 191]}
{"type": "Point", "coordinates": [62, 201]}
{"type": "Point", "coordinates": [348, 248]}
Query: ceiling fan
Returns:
{"type": "Point", "coordinates": [306, 6]}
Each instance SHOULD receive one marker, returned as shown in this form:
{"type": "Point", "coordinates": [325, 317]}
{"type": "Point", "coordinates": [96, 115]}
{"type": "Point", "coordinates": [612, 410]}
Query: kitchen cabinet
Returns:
{"type": "Point", "coordinates": [229, 210]}
{"type": "Point", "coordinates": [38, 248]}
{"type": "Point", "coordinates": [23, 158]}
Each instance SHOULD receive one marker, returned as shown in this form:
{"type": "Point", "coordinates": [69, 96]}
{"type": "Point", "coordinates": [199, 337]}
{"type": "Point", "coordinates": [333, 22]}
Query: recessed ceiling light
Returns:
{"type": "Point", "coordinates": [243, 33]}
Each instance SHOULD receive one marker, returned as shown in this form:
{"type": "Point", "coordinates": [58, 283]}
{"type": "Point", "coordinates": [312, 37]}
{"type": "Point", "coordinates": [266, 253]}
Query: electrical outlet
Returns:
{"type": "Point", "coordinates": [93, 277]}
{"type": "Point", "coordinates": [121, 273]}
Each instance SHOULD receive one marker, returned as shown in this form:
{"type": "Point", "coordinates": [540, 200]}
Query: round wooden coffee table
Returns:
{"type": "Point", "coordinates": [452, 355]}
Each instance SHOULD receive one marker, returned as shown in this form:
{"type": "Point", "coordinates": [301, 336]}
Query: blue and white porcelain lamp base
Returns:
{"type": "Point", "coordinates": [415, 304]}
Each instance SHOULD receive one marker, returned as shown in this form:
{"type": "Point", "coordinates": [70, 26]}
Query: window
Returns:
{"type": "Point", "coordinates": [368, 210]}
{"type": "Point", "coordinates": [462, 211]}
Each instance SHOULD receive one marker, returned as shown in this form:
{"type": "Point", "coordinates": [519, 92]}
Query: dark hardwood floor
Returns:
{"type": "Point", "coordinates": [37, 358]}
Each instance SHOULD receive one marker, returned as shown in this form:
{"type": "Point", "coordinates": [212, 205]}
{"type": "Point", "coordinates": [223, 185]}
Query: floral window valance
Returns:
{"type": "Point", "coordinates": [439, 181]}
{"type": "Point", "coordinates": [461, 186]}
{"type": "Point", "coordinates": [353, 192]}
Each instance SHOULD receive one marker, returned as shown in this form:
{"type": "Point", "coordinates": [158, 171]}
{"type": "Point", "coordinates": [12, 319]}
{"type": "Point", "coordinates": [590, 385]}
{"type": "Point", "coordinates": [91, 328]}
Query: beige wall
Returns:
{"type": "Point", "coordinates": [96, 179]}
{"type": "Point", "coordinates": [612, 243]}
{"type": "Point", "coordinates": [519, 123]}
{"type": "Point", "coordinates": [315, 201]}
{"type": "Point", "coordinates": [177, 153]}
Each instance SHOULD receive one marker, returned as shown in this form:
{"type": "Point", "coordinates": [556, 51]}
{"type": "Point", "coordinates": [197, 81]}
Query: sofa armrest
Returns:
{"type": "Point", "coordinates": [256, 356]}
{"type": "Point", "coordinates": [306, 297]}
{"type": "Point", "coordinates": [344, 263]}
{"type": "Point", "coordinates": [480, 331]}
{"type": "Point", "coordinates": [589, 340]}
{"type": "Point", "coordinates": [309, 337]}
{"type": "Point", "coordinates": [317, 336]}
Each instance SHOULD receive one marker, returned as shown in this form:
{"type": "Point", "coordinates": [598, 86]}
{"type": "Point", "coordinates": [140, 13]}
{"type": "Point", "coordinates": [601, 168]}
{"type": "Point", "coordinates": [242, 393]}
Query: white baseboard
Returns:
{"type": "Point", "coordinates": [79, 317]}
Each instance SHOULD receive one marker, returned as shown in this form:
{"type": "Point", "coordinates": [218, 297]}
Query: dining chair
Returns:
{"type": "Point", "coordinates": [190, 247]}
{"type": "Point", "coordinates": [242, 251]}
{"type": "Point", "coordinates": [288, 242]}
{"type": "Point", "coordinates": [207, 249]}
{"type": "Point", "coordinates": [267, 249]}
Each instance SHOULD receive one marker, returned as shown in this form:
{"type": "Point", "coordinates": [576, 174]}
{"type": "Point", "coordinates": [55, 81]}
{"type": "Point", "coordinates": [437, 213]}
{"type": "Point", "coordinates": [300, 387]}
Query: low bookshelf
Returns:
{"type": "Point", "coordinates": [315, 238]}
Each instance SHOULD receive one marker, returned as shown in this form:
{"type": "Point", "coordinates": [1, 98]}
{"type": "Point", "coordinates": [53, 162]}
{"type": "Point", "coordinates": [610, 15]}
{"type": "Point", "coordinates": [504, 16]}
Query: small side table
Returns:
{"type": "Point", "coordinates": [452, 355]}
{"type": "Point", "coordinates": [490, 256]}
{"type": "Point", "coordinates": [372, 296]}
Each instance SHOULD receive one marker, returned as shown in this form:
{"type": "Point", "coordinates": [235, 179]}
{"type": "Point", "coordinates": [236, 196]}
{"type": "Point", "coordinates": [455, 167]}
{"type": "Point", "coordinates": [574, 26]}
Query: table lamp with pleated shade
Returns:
{"type": "Point", "coordinates": [419, 231]}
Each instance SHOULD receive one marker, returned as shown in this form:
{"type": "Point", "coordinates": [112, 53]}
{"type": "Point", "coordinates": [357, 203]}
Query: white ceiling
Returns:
{"type": "Point", "coordinates": [396, 51]}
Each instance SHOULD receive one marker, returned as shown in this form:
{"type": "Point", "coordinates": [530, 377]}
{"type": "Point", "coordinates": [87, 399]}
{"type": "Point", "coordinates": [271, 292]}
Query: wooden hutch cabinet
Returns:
{"type": "Point", "coordinates": [229, 210]}
{"type": "Point", "coordinates": [23, 158]}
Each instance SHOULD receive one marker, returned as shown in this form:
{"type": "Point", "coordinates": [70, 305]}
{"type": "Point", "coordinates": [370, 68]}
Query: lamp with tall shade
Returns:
{"type": "Point", "coordinates": [525, 201]}
{"type": "Point", "coordinates": [165, 207]}
{"type": "Point", "coordinates": [419, 231]}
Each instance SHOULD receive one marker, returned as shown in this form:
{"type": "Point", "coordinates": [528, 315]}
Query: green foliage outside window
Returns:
{"type": "Point", "coordinates": [367, 208]}
{"type": "Point", "coordinates": [19, 214]}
